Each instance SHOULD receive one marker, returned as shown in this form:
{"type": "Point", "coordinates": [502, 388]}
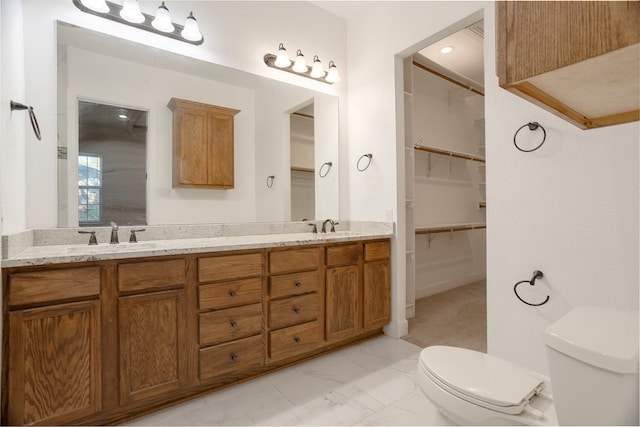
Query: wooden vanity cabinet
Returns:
{"type": "Point", "coordinates": [52, 362]}
{"type": "Point", "coordinates": [230, 316]}
{"type": "Point", "coordinates": [576, 59]}
{"type": "Point", "coordinates": [344, 291]}
{"type": "Point", "coordinates": [296, 302]}
{"type": "Point", "coordinates": [377, 284]}
{"type": "Point", "coordinates": [152, 310]}
{"type": "Point", "coordinates": [203, 138]}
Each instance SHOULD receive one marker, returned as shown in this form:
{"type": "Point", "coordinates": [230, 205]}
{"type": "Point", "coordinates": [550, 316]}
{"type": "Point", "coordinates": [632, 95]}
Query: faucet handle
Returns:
{"type": "Point", "coordinates": [132, 237]}
{"type": "Point", "coordinates": [315, 227]}
{"type": "Point", "coordinates": [333, 226]}
{"type": "Point", "coordinates": [92, 238]}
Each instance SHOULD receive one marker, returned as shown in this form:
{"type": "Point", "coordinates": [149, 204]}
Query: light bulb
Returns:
{"type": "Point", "coordinates": [446, 49]}
{"type": "Point", "coordinates": [131, 12]}
{"type": "Point", "coordinates": [191, 30]}
{"type": "Point", "coordinates": [96, 5]}
{"type": "Point", "coordinates": [282, 60]}
{"type": "Point", "coordinates": [316, 69]}
{"type": "Point", "coordinates": [162, 21]}
{"type": "Point", "coordinates": [300, 66]}
{"type": "Point", "coordinates": [332, 75]}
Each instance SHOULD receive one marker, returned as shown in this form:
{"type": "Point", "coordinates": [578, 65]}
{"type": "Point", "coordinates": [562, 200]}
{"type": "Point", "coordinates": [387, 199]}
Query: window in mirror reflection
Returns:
{"type": "Point", "coordinates": [302, 159]}
{"type": "Point", "coordinates": [112, 164]}
{"type": "Point", "coordinates": [89, 183]}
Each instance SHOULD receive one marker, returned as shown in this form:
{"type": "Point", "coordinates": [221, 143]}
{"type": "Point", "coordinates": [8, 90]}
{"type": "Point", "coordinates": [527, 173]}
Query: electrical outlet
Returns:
{"type": "Point", "coordinates": [164, 192]}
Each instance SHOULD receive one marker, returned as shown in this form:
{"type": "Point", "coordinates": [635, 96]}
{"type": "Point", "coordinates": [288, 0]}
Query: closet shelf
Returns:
{"type": "Point", "coordinates": [298, 169]}
{"type": "Point", "coordinates": [449, 153]}
{"type": "Point", "coordinates": [446, 228]}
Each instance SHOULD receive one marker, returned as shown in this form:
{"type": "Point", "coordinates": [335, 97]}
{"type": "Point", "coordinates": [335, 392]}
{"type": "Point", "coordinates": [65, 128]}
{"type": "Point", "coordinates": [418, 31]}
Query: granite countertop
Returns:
{"type": "Point", "coordinates": [57, 254]}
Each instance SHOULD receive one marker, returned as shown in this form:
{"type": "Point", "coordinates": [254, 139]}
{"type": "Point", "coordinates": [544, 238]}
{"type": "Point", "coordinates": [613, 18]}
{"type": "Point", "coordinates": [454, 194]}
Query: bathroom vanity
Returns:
{"type": "Point", "coordinates": [122, 332]}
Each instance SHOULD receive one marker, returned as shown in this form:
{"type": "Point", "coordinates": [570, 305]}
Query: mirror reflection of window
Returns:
{"type": "Point", "coordinates": [89, 184]}
{"type": "Point", "coordinates": [302, 160]}
{"type": "Point", "coordinates": [111, 165]}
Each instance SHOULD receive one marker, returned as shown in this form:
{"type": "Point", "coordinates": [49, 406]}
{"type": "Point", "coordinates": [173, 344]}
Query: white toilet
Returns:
{"type": "Point", "coordinates": [593, 364]}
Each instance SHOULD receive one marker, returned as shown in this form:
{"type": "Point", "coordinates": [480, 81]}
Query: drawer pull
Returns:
{"type": "Point", "coordinates": [298, 284]}
{"type": "Point", "coordinates": [297, 339]}
{"type": "Point", "coordinates": [234, 357]}
{"type": "Point", "coordinates": [296, 310]}
{"type": "Point", "coordinates": [232, 293]}
{"type": "Point", "coordinates": [233, 324]}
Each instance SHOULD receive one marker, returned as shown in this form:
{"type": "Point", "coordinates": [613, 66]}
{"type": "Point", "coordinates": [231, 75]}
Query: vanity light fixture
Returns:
{"type": "Point", "coordinates": [300, 67]}
{"type": "Point", "coordinates": [129, 14]}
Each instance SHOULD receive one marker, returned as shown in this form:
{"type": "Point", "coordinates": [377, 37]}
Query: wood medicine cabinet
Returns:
{"type": "Point", "coordinates": [202, 145]}
{"type": "Point", "coordinates": [576, 59]}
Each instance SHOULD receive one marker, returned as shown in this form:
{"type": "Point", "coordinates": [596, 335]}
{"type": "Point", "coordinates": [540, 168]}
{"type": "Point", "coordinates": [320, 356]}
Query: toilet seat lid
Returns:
{"type": "Point", "coordinates": [481, 376]}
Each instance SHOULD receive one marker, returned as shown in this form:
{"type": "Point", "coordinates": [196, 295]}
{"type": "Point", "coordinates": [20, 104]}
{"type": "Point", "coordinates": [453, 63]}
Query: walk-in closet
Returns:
{"type": "Point", "coordinates": [445, 191]}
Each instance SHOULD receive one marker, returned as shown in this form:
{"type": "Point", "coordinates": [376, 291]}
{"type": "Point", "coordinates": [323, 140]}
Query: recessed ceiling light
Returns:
{"type": "Point", "coordinates": [122, 116]}
{"type": "Point", "coordinates": [446, 49]}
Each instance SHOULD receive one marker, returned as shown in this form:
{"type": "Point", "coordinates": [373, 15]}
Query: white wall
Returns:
{"type": "Point", "coordinates": [569, 209]}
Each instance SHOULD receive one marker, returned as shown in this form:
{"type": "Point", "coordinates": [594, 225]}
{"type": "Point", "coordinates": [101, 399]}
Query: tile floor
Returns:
{"type": "Point", "coordinates": [371, 383]}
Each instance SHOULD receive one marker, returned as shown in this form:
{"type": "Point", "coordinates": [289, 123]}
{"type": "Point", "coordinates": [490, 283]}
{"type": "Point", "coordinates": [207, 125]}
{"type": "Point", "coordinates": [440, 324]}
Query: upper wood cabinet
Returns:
{"type": "Point", "coordinates": [578, 60]}
{"type": "Point", "coordinates": [202, 145]}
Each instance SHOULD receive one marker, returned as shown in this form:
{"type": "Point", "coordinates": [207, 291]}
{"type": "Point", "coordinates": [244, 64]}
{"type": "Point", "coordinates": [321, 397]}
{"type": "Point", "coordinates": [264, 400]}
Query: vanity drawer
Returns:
{"type": "Point", "coordinates": [295, 284]}
{"type": "Point", "coordinates": [218, 327]}
{"type": "Point", "coordinates": [151, 275]}
{"type": "Point", "coordinates": [289, 261]}
{"type": "Point", "coordinates": [294, 310]}
{"type": "Point", "coordinates": [216, 296]}
{"type": "Point", "coordinates": [227, 267]}
{"type": "Point", "coordinates": [295, 340]}
{"type": "Point", "coordinates": [234, 356]}
{"type": "Point", "coordinates": [344, 254]}
{"type": "Point", "coordinates": [47, 286]}
{"type": "Point", "coordinates": [377, 250]}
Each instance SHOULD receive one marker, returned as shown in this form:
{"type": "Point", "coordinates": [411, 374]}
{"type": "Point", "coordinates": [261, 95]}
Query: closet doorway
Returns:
{"type": "Point", "coordinates": [446, 190]}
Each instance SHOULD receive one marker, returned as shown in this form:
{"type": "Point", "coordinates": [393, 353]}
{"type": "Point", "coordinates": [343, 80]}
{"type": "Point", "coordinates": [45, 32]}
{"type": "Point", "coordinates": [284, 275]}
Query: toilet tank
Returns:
{"type": "Point", "coordinates": [593, 365]}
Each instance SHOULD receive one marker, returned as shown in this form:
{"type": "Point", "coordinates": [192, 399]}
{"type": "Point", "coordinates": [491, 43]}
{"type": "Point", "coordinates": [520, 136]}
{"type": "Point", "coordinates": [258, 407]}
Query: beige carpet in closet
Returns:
{"type": "Point", "coordinates": [457, 317]}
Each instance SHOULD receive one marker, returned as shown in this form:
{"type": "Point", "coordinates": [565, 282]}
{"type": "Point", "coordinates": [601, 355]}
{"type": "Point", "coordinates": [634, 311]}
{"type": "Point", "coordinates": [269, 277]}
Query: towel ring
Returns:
{"type": "Point", "coordinates": [369, 156]}
{"type": "Point", "coordinates": [32, 117]}
{"type": "Point", "coordinates": [532, 126]}
{"type": "Point", "coordinates": [328, 165]}
{"type": "Point", "coordinates": [536, 275]}
{"type": "Point", "coordinates": [270, 179]}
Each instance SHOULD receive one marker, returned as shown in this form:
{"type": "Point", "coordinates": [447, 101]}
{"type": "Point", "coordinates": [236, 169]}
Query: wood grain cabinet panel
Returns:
{"type": "Point", "coordinates": [343, 302]}
{"type": "Point", "coordinates": [377, 250]}
{"type": "Point", "coordinates": [344, 254]}
{"type": "Point", "coordinates": [294, 260]}
{"type": "Point", "coordinates": [293, 310]}
{"type": "Point", "coordinates": [49, 286]}
{"type": "Point", "coordinates": [377, 294]}
{"type": "Point", "coordinates": [203, 152]}
{"type": "Point", "coordinates": [217, 296]}
{"type": "Point", "coordinates": [55, 372]}
{"type": "Point", "coordinates": [229, 267]}
{"type": "Point", "coordinates": [235, 358]}
{"type": "Point", "coordinates": [217, 327]}
{"type": "Point", "coordinates": [295, 284]}
{"type": "Point", "coordinates": [151, 275]}
{"type": "Point", "coordinates": [152, 328]}
{"type": "Point", "coordinates": [295, 340]}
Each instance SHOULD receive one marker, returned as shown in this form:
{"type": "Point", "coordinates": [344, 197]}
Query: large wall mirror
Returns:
{"type": "Point", "coordinates": [108, 74]}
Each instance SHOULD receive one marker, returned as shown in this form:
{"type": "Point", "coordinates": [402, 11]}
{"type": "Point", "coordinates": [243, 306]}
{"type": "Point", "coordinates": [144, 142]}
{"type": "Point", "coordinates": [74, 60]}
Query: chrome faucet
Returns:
{"type": "Point", "coordinates": [114, 233]}
{"type": "Point", "coordinates": [324, 226]}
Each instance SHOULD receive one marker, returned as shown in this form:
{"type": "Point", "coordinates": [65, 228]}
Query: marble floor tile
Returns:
{"type": "Point", "coordinates": [370, 383]}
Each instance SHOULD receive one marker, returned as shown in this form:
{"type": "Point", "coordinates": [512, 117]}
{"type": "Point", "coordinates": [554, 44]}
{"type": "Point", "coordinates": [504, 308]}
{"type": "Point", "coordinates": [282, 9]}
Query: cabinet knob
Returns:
{"type": "Point", "coordinates": [233, 324]}
{"type": "Point", "coordinates": [298, 284]}
{"type": "Point", "coordinates": [232, 293]}
{"type": "Point", "coordinates": [234, 357]}
{"type": "Point", "coordinates": [297, 339]}
{"type": "Point", "coordinates": [296, 310]}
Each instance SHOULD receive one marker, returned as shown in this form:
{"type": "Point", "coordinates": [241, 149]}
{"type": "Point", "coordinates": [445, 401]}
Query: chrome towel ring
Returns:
{"type": "Point", "coordinates": [533, 126]}
{"type": "Point", "coordinates": [536, 275]}
{"type": "Point", "coordinates": [270, 180]}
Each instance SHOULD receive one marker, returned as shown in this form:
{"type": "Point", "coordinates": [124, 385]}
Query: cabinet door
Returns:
{"type": "Point", "coordinates": [54, 370]}
{"type": "Point", "coordinates": [191, 151]}
{"type": "Point", "coordinates": [152, 344]}
{"type": "Point", "coordinates": [344, 302]}
{"type": "Point", "coordinates": [377, 294]}
{"type": "Point", "coordinates": [220, 146]}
